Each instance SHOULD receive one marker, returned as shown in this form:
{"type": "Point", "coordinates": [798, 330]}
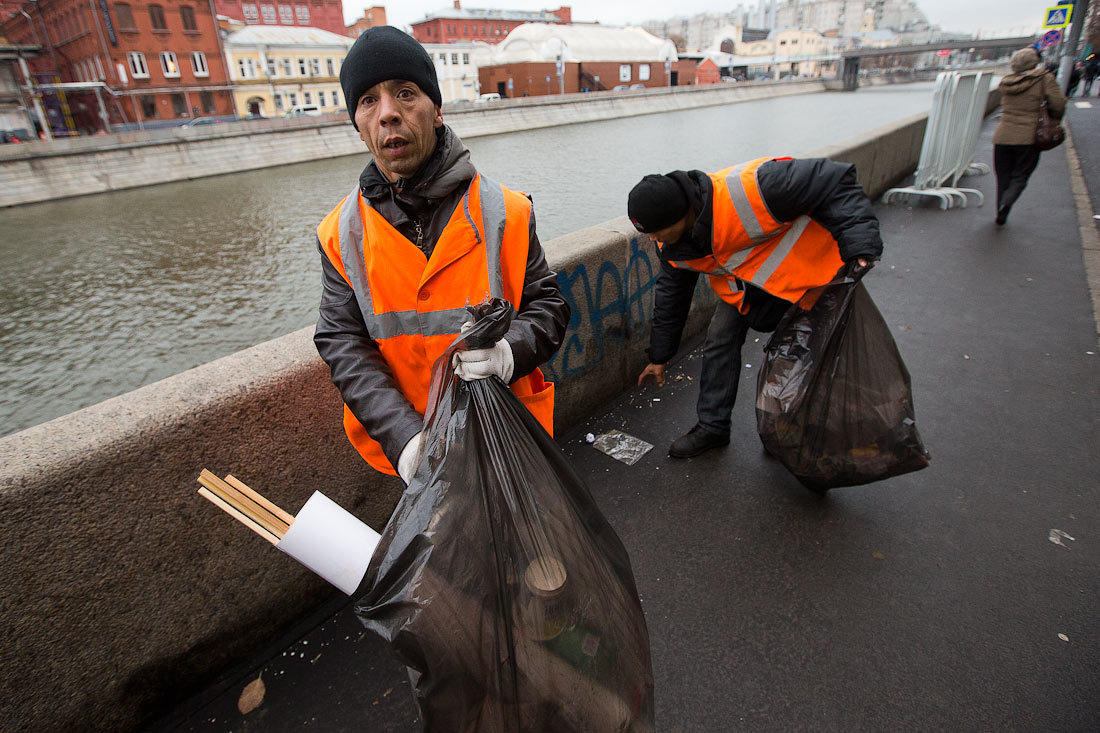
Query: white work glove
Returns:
{"type": "Point", "coordinates": [406, 464]}
{"type": "Point", "coordinates": [481, 363]}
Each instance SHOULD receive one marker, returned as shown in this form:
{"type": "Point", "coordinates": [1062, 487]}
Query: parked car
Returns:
{"type": "Point", "coordinates": [200, 121]}
{"type": "Point", "coordinates": [489, 97]}
{"type": "Point", "coordinates": [302, 110]}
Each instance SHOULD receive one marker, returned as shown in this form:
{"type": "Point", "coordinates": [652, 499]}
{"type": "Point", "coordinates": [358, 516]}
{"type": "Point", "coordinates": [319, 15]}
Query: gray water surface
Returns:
{"type": "Point", "coordinates": [103, 294]}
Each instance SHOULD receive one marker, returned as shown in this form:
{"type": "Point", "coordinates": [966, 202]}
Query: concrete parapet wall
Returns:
{"type": "Point", "coordinates": [123, 591]}
{"type": "Point", "coordinates": [41, 171]}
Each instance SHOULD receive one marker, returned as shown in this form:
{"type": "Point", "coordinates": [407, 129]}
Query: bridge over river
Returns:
{"type": "Point", "coordinates": [104, 294]}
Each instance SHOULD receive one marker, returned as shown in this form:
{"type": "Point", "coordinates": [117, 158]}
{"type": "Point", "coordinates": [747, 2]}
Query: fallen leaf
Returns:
{"type": "Point", "coordinates": [1063, 637]}
{"type": "Point", "coordinates": [387, 692]}
{"type": "Point", "coordinates": [314, 660]}
{"type": "Point", "coordinates": [878, 556]}
{"type": "Point", "coordinates": [251, 696]}
{"type": "Point", "coordinates": [1056, 536]}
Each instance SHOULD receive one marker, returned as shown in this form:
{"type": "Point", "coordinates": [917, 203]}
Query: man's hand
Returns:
{"type": "Point", "coordinates": [481, 363]}
{"type": "Point", "coordinates": [406, 464]}
{"type": "Point", "coordinates": [657, 371]}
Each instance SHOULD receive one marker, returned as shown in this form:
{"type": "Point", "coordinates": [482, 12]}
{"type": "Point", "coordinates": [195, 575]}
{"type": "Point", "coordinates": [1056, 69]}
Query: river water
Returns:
{"type": "Point", "coordinates": [103, 294]}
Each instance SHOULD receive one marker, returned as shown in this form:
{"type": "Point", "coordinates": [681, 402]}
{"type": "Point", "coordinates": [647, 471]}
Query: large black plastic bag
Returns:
{"type": "Point", "coordinates": [834, 403]}
{"type": "Point", "coordinates": [497, 580]}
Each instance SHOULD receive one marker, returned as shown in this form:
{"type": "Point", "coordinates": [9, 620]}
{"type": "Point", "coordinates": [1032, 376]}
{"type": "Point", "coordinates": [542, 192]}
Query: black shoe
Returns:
{"type": "Point", "coordinates": [695, 442]}
{"type": "Point", "coordinates": [1002, 216]}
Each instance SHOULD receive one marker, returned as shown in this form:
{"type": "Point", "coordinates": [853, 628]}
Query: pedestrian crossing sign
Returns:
{"type": "Point", "coordinates": [1058, 16]}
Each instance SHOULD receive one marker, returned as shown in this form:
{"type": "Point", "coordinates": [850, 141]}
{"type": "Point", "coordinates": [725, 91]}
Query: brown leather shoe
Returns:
{"type": "Point", "coordinates": [697, 441]}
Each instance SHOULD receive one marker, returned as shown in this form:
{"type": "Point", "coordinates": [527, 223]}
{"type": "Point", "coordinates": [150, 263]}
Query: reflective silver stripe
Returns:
{"type": "Point", "coordinates": [351, 254]}
{"type": "Point", "coordinates": [740, 199]}
{"type": "Point", "coordinates": [786, 244]}
{"type": "Point", "coordinates": [738, 258]}
{"type": "Point", "coordinates": [493, 217]}
{"type": "Point", "coordinates": [411, 323]}
{"type": "Point", "coordinates": [686, 265]}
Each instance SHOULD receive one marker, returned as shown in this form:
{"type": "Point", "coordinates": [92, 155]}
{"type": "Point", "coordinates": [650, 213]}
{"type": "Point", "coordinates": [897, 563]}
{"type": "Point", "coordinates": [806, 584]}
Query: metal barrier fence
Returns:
{"type": "Point", "coordinates": [947, 154]}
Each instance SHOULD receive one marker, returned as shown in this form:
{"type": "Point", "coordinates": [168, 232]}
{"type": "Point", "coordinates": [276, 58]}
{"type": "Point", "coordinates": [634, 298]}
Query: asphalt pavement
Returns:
{"type": "Point", "coordinates": [961, 597]}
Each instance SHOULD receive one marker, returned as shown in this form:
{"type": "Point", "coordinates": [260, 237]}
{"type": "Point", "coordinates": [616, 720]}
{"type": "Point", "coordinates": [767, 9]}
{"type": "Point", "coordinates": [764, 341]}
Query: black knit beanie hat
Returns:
{"type": "Point", "coordinates": [655, 203]}
{"type": "Point", "coordinates": [383, 53]}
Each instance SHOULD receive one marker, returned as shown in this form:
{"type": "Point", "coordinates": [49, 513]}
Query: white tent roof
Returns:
{"type": "Point", "coordinates": [540, 42]}
{"type": "Point", "coordinates": [274, 35]}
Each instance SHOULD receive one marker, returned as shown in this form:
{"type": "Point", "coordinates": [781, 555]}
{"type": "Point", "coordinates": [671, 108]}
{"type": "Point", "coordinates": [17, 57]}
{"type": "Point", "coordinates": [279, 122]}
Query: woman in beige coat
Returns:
{"type": "Point", "coordinates": [1014, 153]}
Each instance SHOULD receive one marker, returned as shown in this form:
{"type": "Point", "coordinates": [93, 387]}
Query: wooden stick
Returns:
{"type": "Point", "coordinates": [242, 503]}
{"type": "Point", "coordinates": [235, 482]}
{"type": "Point", "coordinates": [233, 512]}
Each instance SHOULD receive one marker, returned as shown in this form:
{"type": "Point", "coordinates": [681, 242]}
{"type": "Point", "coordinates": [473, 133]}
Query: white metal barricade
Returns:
{"type": "Point", "coordinates": [950, 139]}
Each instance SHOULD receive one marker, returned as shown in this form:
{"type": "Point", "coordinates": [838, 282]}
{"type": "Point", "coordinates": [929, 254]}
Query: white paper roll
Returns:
{"type": "Point", "coordinates": [331, 542]}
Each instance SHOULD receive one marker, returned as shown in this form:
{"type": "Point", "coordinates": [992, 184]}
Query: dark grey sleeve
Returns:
{"type": "Point", "coordinates": [673, 292]}
{"type": "Point", "coordinates": [358, 369]}
{"type": "Point", "coordinates": [542, 316]}
{"type": "Point", "coordinates": [830, 194]}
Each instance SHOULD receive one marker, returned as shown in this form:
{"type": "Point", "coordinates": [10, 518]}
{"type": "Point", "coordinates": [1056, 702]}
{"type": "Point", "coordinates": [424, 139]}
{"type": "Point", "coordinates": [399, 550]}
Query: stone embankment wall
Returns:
{"type": "Point", "coordinates": [41, 171]}
{"type": "Point", "coordinates": [123, 591]}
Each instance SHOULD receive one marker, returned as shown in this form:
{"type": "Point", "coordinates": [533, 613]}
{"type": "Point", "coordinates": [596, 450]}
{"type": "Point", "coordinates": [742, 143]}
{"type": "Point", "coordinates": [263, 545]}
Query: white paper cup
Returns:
{"type": "Point", "coordinates": [331, 542]}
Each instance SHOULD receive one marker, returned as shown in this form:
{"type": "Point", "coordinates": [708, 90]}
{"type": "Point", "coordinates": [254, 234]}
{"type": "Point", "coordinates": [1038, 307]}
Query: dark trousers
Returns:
{"type": "Point", "coordinates": [1013, 164]}
{"type": "Point", "coordinates": [722, 356]}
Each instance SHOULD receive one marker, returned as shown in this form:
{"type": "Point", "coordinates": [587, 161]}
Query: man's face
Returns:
{"type": "Point", "coordinates": [397, 121]}
{"type": "Point", "coordinates": [673, 232]}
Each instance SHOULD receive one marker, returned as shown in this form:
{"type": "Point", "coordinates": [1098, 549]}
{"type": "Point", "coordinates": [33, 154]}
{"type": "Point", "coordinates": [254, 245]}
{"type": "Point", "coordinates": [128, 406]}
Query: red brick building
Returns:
{"type": "Point", "coordinates": [132, 62]}
{"type": "Point", "coordinates": [324, 14]}
{"type": "Point", "coordinates": [372, 17]}
{"type": "Point", "coordinates": [536, 79]}
{"type": "Point", "coordinates": [707, 72]}
{"type": "Point", "coordinates": [481, 24]}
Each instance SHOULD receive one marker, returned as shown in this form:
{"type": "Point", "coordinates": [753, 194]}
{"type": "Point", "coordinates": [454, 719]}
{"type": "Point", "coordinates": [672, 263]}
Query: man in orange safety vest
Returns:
{"type": "Point", "coordinates": [764, 233]}
{"type": "Point", "coordinates": [421, 235]}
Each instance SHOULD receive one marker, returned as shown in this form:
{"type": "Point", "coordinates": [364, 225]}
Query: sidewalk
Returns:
{"type": "Point", "coordinates": [935, 600]}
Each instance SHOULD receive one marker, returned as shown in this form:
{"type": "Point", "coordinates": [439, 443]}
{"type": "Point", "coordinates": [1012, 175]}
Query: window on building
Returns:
{"type": "Point", "coordinates": [99, 69]}
{"type": "Point", "coordinates": [428, 31]}
{"type": "Point", "coordinates": [315, 66]}
{"type": "Point", "coordinates": [187, 16]}
{"type": "Point", "coordinates": [307, 98]}
{"type": "Point", "coordinates": [148, 106]}
{"type": "Point", "coordinates": [268, 14]}
{"type": "Point", "coordinates": [169, 65]}
{"type": "Point", "coordinates": [443, 58]}
{"type": "Point", "coordinates": [286, 14]}
{"type": "Point", "coordinates": [284, 63]}
{"type": "Point", "coordinates": [466, 59]}
{"type": "Point", "coordinates": [137, 64]}
{"type": "Point", "coordinates": [156, 17]}
{"type": "Point", "coordinates": [124, 17]}
{"type": "Point", "coordinates": [335, 97]}
{"type": "Point", "coordinates": [643, 72]}
{"type": "Point", "coordinates": [246, 68]}
{"type": "Point", "coordinates": [321, 98]}
{"type": "Point", "coordinates": [206, 99]}
{"type": "Point", "coordinates": [330, 67]}
{"type": "Point", "coordinates": [293, 99]}
{"type": "Point", "coordinates": [251, 13]}
{"type": "Point", "coordinates": [179, 105]}
{"type": "Point", "coordinates": [301, 67]}
{"type": "Point", "coordinates": [454, 59]}
{"type": "Point", "coordinates": [279, 105]}
{"type": "Point", "coordinates": [198, 64]}
{"type": "Point", "coordinates": [624, 72]}
{"type": "Point", "coordinates": [303, 14]}
{"type": "Point", "coordinates": [465, 29]}
{"type": "Point", "coordinates": [269, 65]}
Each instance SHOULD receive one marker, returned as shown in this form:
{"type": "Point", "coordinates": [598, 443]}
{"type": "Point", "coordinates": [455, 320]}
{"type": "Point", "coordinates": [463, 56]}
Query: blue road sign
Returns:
{"type": "Point", "coordinates": [1050, 38]}
{"type": "Point", "coordinates": [1058, 16]}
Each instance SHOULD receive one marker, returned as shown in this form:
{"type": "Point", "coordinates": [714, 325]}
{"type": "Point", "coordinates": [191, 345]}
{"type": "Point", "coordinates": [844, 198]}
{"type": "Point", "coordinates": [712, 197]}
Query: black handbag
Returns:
{"type": "Point", "coordinates": [1049, 133]}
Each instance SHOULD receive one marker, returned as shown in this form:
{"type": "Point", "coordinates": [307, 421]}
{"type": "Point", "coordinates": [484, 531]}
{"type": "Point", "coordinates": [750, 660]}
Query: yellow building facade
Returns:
{"type": "Point", "coordinates": [277, 70]}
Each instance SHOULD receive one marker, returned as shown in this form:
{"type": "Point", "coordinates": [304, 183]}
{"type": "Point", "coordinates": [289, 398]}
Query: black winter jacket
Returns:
{"type": "Point", "coordinates": [825, 190]}
{"type": "Point", "coordinates": [419, 208]}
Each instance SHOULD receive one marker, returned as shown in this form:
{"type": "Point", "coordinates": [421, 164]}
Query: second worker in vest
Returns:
{"type": "Point", "coordinates": [764, 233]}
{"type": "Point", "coordinates": [421, 235]}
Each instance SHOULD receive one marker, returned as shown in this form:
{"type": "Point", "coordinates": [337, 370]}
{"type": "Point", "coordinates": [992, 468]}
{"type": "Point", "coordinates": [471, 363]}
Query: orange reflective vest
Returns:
{"type": "Point", "coordinates": [414, 307]}
{"type": "Point", "coordinates": [748, 244]}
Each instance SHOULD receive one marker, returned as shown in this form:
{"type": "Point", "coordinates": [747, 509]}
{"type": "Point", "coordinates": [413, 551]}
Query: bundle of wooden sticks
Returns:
{"type": "Point", "coordinates": [246, 506]}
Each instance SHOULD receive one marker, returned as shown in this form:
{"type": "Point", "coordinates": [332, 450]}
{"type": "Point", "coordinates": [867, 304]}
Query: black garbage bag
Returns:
{"type": "Point", "coordinates": [497, 580]}
{"type": "Point", "coordinates": [834, 401]}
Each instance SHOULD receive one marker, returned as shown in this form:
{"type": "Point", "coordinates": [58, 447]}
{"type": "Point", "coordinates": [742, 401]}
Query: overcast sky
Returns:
{"type": "Point", "coordinates": [990, 17]}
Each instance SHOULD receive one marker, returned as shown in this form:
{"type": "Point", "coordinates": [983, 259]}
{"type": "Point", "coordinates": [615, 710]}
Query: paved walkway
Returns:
{"type": "Point", "coordinates": [935, 600]}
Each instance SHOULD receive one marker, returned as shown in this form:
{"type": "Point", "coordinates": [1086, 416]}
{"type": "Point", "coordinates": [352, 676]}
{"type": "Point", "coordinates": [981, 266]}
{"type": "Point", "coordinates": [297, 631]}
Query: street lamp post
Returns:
{"type": "Point", "coordinates": [35, 96]}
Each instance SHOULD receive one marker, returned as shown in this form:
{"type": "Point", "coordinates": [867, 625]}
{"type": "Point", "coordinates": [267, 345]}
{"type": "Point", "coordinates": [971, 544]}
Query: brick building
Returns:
{"type": "Point", "coordinates": [372, 17]}
{"type": "Point", "coordinates": [324, 14]}
{"type": "Point", "coordinates": [488, 25]}
{"type": "Point", "coordinates": [129, 62]}
{"type": "Point", "coordinates": [539, 59]}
